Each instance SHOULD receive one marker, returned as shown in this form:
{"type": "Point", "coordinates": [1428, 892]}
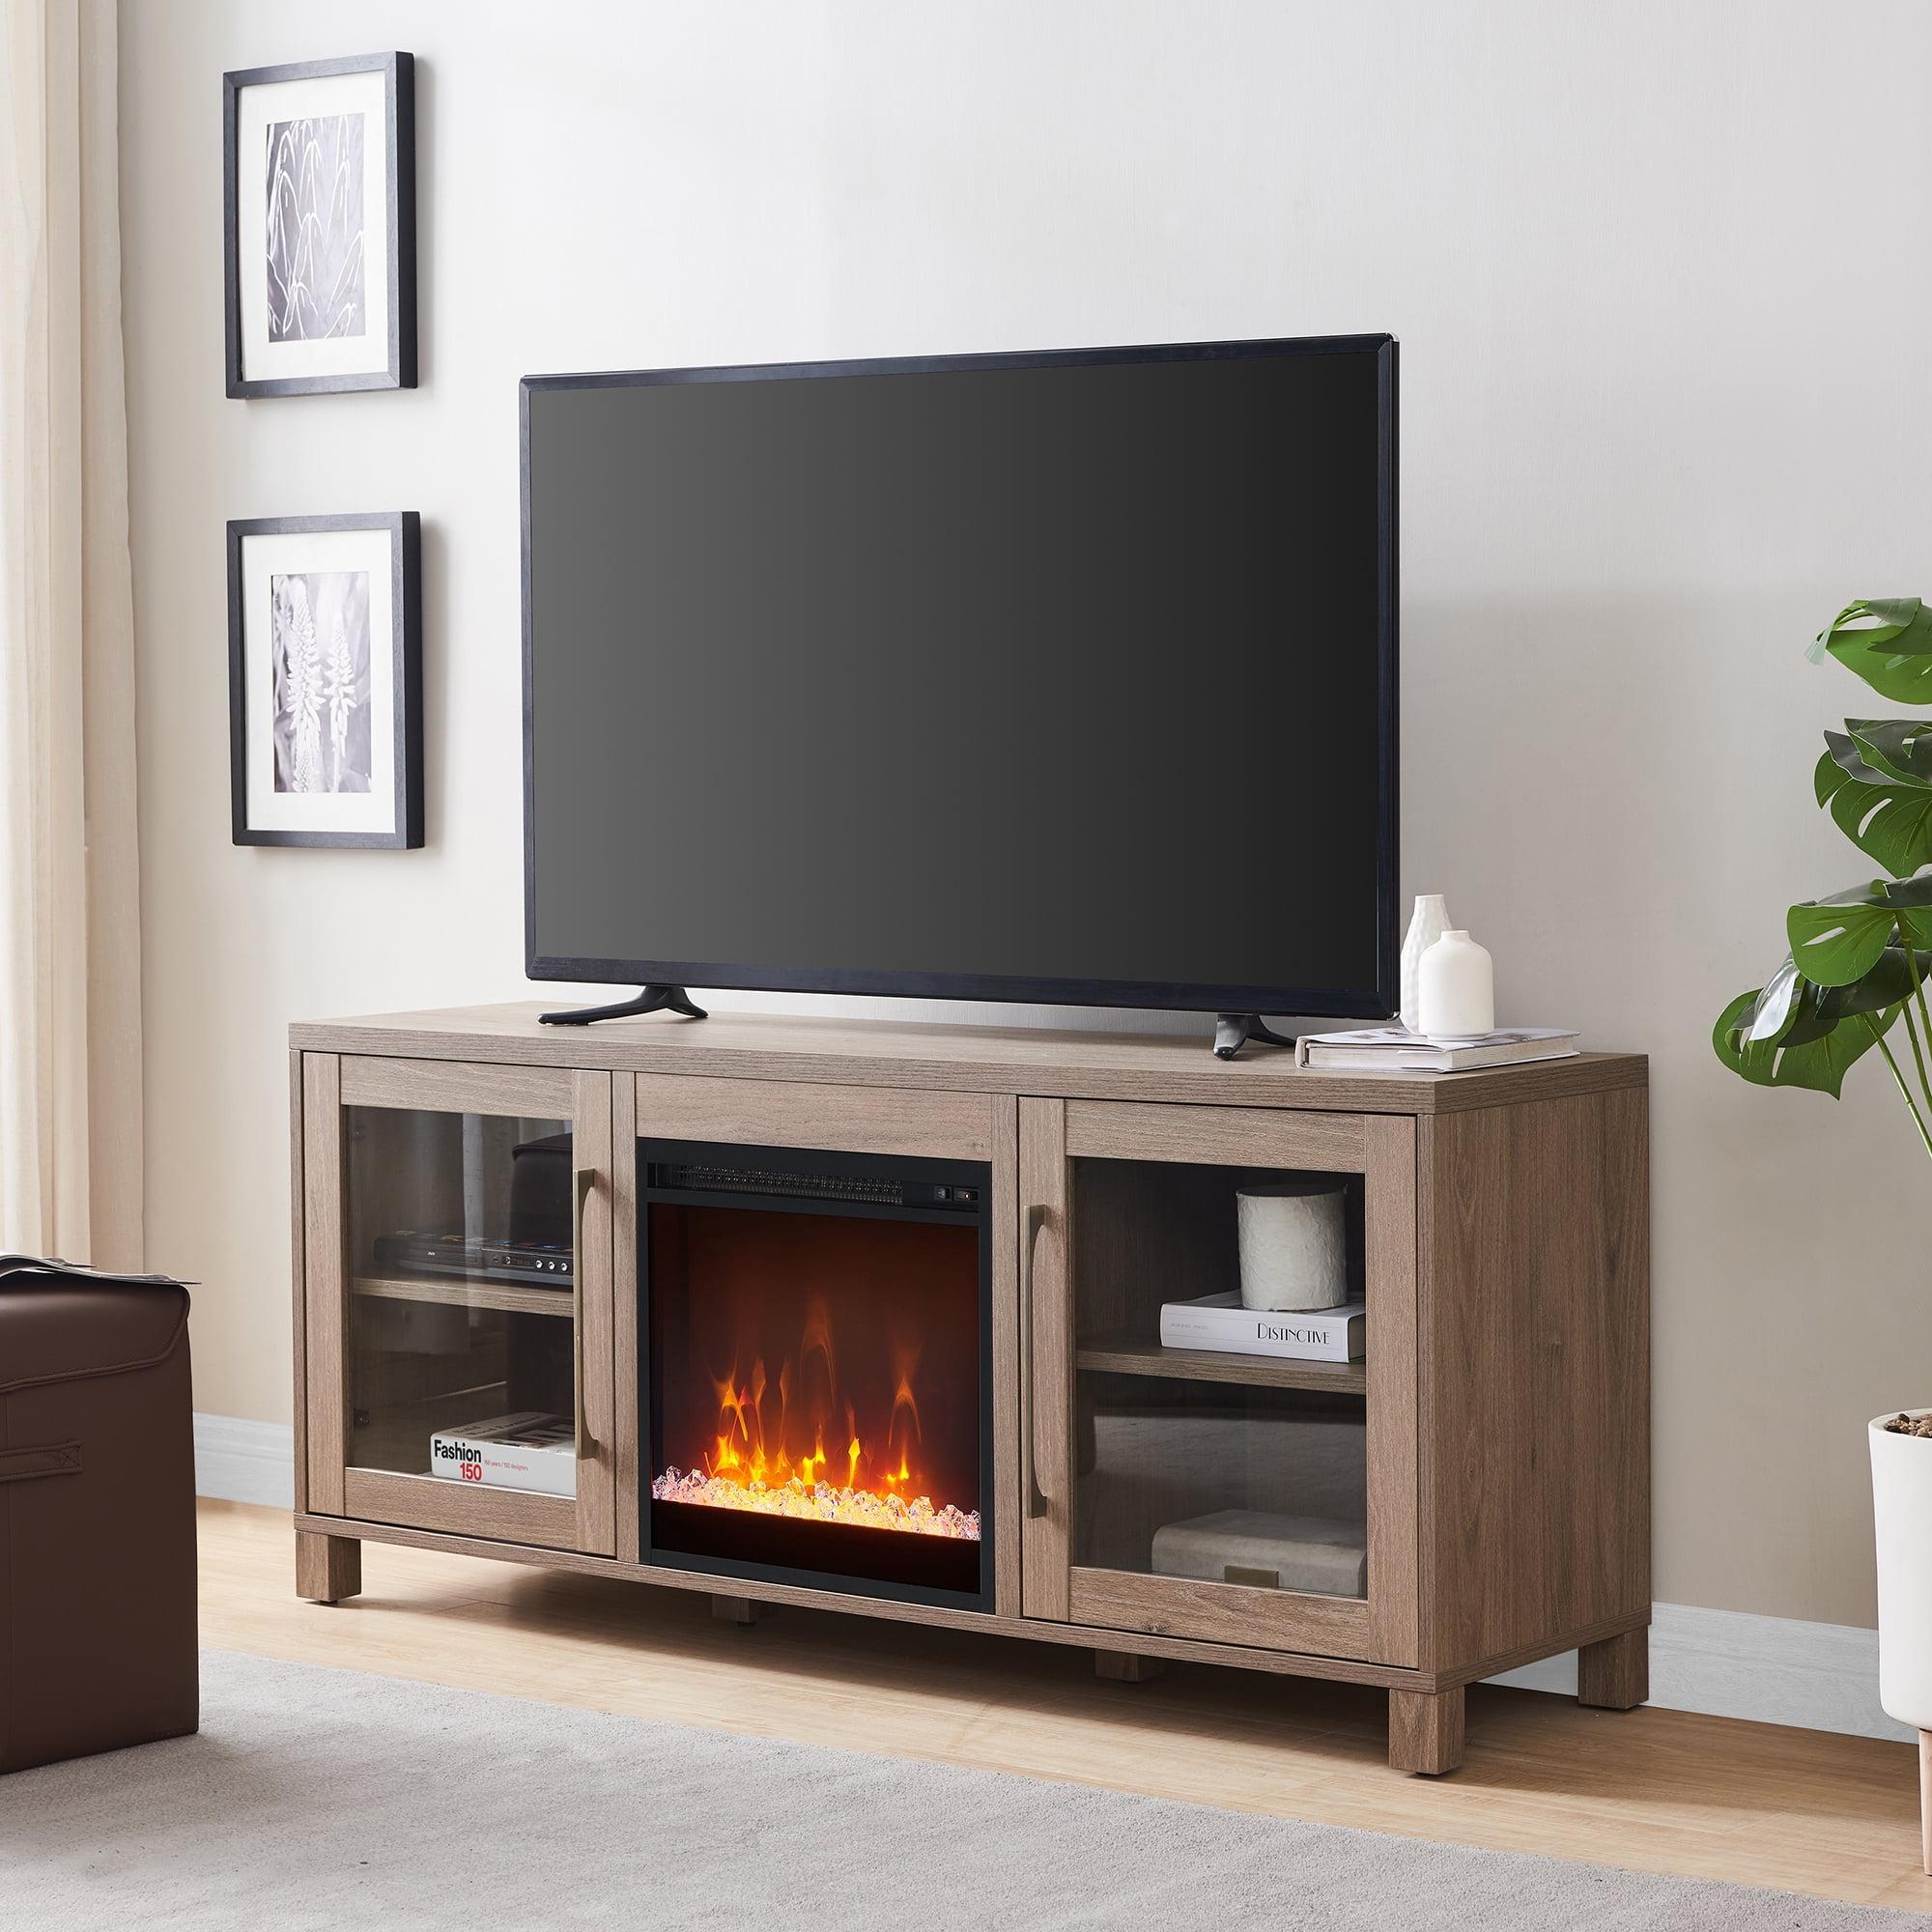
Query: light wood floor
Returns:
{"type": "Point", "coordinates": [1660, 1791]}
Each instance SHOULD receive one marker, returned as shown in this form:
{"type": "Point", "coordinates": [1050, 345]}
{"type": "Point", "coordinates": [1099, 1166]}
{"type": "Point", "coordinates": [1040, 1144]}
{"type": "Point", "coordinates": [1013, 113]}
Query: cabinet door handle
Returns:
{"type": "Point", "coordinates": [586, 1179]}
{"type": "Point", "coordinates": [1034, 1220]}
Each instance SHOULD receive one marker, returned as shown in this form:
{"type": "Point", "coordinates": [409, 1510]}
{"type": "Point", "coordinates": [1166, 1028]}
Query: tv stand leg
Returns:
{"type": "Point", "coordinates": [1424, 1731]}
{"type": "Point", "coordinates": [1614, 1674]}
{"type": "Point", "coordinates": [1234, 1031]}
{"type": "Point", "coordinates": [652, 1000]}
{"type": "Point", "coordinates": [1126, 1667]}
{"type": "Point", "coordinates": [327, 1568]}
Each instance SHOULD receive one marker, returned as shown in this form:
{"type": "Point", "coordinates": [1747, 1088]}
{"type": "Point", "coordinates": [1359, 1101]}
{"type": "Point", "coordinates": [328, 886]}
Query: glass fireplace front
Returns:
{"type": "Point", "coordinates": [818, 1332]}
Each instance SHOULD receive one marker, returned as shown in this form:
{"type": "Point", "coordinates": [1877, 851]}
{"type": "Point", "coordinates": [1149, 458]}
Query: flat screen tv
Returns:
{"type": "Point", "coordinates": [1063, 678]}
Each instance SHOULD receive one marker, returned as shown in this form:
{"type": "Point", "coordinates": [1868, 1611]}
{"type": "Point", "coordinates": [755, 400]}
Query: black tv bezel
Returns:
{"type": "Point", "coordinates": [1317, 1002]}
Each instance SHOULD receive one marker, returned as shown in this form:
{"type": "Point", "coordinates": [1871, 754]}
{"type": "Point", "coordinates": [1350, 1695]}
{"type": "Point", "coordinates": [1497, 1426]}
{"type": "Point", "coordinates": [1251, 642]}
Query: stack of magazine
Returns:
{"type": "Point", "coordinates": [51, 1267]}
{"type": "Point", "coordinates": [1394, 1049]}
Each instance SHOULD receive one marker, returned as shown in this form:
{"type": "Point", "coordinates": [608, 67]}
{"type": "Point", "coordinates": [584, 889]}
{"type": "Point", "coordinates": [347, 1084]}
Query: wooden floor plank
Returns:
{"type": "Point", "coordinates": [1662, 1791]}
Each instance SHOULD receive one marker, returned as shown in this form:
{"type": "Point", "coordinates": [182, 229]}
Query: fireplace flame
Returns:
{"type": "Point", "coordinates": [751, 1466]}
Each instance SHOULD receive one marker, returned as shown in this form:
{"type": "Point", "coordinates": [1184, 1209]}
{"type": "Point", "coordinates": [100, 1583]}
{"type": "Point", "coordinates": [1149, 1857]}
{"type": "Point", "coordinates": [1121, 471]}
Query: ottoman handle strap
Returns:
{"type": "Point", "coordinates": [57, 1458]}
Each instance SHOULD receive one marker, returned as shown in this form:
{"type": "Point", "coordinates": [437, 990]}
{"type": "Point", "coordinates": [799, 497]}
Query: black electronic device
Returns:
{"type": "Point", "coordinates": [537, 1263]}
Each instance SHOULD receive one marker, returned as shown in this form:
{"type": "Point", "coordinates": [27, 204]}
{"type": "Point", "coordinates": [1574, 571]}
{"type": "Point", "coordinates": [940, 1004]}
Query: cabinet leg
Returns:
{"type": "Point", "coordinates": [327, 1568]}
{"type": "Point", "coordinates": [1126, 1667]}
{"type": "Point", "coordinates": [736, 1609]}
{"type": "Point", "coordinates": [1426, 1730]}
{"type": "Point", "coordinates": [1614, 1675]}
{"type": "Point", "coordinates": [1926, 1799]}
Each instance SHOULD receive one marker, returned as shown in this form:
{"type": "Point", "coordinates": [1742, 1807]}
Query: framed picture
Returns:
{"type": "Point", "coordinates": [319, 183]}
{"type": "Point", "coordinates": [325, 680]}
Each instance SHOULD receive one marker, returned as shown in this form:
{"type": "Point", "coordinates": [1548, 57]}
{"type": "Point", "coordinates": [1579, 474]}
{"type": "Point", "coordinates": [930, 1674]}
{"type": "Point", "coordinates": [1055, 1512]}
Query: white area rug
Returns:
{"type": "Point", "coordinates": [320, 1798]}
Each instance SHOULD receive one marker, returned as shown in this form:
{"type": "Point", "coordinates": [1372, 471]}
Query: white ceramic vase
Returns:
{"type": "Point", "coordinates": [1429, 922]}
{"type": "Point", "coordinates": [1902, 1515]}
{"type": "Point", "coordinates": [1456, 989]}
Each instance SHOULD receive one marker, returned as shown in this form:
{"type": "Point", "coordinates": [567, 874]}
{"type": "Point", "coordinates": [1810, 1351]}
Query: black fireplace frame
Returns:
{"type": "Point", "coordinates": [920, 1171]}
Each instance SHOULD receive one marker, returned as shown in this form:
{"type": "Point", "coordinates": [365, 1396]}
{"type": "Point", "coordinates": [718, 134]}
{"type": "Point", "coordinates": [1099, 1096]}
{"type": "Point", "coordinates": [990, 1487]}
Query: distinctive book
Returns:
{"type": "Point", "coordinates": [530, 1451]}
{"type": "Point", "coordinates": [1220, 1321]}
{"type": "Point", "coordinates": [1266, 1552]}
{"type": "Point", "coordinates": [1397, 1050]}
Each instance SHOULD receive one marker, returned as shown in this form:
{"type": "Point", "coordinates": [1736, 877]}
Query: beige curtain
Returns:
{"type": "Point", "coordinates": [69, 902]}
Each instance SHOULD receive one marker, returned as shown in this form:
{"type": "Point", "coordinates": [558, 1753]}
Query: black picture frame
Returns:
{"type": "Point", "coordinates": [1364, 1002]}
{"type": "Point", "coordinates": [400, 164]}
{"type": "Point", "coordinates": [405, 530]}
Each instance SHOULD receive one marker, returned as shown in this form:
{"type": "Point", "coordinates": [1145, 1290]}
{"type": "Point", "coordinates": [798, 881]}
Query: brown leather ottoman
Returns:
{"type": "Point", "coordinates": [96, 1517]}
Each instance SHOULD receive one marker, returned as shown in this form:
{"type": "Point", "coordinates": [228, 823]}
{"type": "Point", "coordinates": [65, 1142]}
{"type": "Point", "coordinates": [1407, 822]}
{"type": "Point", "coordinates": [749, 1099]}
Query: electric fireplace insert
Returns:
{"type": "Point", "coordinates": [817, 1330]}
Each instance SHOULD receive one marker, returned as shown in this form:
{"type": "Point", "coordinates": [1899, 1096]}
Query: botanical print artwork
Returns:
{"type": "Point", "coordinates": [315, 228]}
{"type": "Point", "coordinates": [321, 646]}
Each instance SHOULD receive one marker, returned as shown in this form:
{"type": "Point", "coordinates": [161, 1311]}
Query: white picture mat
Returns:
{"type": "Point", "coordinates": [263, 559]}
{"type": "Point", "coordinates": [256, 109]}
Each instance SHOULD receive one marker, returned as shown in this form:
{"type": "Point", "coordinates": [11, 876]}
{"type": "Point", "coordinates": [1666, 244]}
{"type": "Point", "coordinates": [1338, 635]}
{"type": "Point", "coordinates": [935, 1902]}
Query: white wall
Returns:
{"type": "Point", "coordinates": [1661, 278]}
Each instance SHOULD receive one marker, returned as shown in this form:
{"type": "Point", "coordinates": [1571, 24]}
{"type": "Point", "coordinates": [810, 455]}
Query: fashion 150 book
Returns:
{"type": "Point", "coordinates": [1396, 1050]}
{"type": "Point", "coordinates": [530, 1451]}
{"type": "Point", "coordinates": [1220, 1321]}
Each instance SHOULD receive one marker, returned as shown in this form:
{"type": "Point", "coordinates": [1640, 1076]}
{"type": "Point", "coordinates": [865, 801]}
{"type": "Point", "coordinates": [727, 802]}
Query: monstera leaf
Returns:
{"type": "Point", "coordinates": [1866, 777]}
{"type": "Point", "coordinates": [1795, 1032]}
{"type": "Point", "coordinates": [1898, 749]}
{"type": "Point", "coordinates": [1816, 1049]}
{"type": "Point", "coordinates": [1888, 642]}
{"type": "Point", "coordinates": [1836, 941]}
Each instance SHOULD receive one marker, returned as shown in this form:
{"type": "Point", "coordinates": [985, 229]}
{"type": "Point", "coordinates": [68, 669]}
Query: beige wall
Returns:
{"type": "Point", "coordinates": [1662, 277]}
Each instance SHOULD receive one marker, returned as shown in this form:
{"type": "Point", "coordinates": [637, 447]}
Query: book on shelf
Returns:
{"type": "Point", "coordinates": [1220, 1321]}
{"type": "Point", "coordinates": [1394, 1049]}
{"type": "Point", "coordinates": [527, 1451]}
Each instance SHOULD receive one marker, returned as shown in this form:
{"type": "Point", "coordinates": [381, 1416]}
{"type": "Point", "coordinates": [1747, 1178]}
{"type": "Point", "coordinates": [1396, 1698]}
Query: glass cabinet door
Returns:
{"type": "Point", "coordinates": [1183, 1489]}
{"type": "Point", "coordinates": [463, 1298]}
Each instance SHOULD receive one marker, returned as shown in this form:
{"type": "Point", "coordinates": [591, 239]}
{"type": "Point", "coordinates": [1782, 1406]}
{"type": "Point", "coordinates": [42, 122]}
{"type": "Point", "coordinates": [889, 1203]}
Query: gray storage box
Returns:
{"type": "Point", "coordinates": [1311, 1554]}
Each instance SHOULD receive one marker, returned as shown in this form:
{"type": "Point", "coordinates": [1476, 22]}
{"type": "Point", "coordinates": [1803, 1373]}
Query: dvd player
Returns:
{"type": "Point", "coordinates": [540, 1264]}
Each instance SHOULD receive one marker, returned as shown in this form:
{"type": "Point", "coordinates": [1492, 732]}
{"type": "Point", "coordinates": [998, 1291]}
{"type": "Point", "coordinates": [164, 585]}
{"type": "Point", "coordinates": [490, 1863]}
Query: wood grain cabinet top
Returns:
{"type": "Point", "coordinates": [964, 1059]}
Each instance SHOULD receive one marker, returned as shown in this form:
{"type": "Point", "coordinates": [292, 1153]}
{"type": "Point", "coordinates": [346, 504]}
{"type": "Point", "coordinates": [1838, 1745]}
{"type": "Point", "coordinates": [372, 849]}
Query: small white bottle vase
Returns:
{"type": "Point", "coordinates": [1456, 989]}
{"type": "Point", "coordinates": [1427, 924]}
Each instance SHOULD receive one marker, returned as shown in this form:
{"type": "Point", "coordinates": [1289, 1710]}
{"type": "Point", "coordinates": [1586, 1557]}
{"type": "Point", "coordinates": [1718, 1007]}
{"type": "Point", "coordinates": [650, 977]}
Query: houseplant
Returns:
{"type": "Point", "coordinates": [1855, 972]}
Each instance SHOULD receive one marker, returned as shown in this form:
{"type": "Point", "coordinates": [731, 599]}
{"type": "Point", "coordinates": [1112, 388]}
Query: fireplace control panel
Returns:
{"type": "Point", "coordinates": [802, 1184]}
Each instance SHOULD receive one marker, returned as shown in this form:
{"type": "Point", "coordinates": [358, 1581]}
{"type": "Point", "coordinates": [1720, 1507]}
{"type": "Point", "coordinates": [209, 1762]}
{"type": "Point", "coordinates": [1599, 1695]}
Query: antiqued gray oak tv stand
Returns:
{"type": "Point", "coordinates": [867, 1315]}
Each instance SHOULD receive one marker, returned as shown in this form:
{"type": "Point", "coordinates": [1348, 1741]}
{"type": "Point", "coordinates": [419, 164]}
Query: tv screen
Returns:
{"type": "Point", "coordinates": [1063, 678]}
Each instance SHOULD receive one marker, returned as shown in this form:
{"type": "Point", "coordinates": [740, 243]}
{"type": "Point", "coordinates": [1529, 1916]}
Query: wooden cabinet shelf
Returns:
{"type": "Point", "coordinates": [1124, 1356]}
{"type": "Point", "coordinates": [1490, 1453]}
{"type": "Point", "coordinates": [463, 1291]}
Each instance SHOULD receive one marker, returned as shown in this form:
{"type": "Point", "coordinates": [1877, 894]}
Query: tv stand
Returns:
{"type": "Point", "coordinates": [652, 1000]}
{"type": "Point", "coordinates": [1490, 1451]}
{"type": "Point", "coordinates": [1234, 1031]}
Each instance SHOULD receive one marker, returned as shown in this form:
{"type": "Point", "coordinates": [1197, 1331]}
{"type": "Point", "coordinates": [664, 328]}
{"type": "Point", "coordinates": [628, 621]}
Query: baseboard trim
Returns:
{"type": "Point", "coordinates": [244, 1462]}
{"type": "Point", "coordinates": [1768, 1670]}
{"type": "Point", "coordinates": [1726, 1663]}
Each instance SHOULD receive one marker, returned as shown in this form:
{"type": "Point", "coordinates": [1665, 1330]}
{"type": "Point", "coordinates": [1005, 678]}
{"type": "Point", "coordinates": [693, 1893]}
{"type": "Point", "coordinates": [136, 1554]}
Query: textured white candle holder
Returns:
{"type": "Point", "coordinates": [1294, 1246]}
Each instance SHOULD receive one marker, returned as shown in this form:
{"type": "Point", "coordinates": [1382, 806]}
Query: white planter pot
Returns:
{"type": "Point", "coordinates": [1902, 1514]}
